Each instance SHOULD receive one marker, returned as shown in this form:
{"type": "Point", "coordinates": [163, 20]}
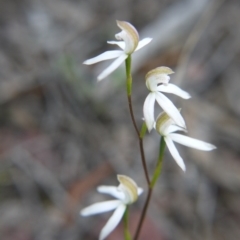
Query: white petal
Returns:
{"type": "Point", "coordinates": [192, 142]}
{"type": "Point", "coordinates": [170, 109]}
{"type": "Point", "coordinates": [172, 88]}
{"type": "Point", "coordinates": [111, 190]}
{"type": "Point", "coordinates": [174, 128]}
{"type": "Point", "coordinates": [113, 221]}
{"type": "Point", "coordinates": [121, 44]}
{"type": "Point", "coordinates": [113, 66]}
{"type": "Point", "coordinates": [153, 81]}
{"type": "Point", "coordinates": [148, 111]}
{"type": "Point", "coordinates": [140, 191]}
{"type": "Point", "coordinates": [175, 153]}
{"type": "Point", "coordinates": [100, 207]}
{"type": "Point", "coordinates": [143, 43]}
{"type": "Point", "coordinates": [104, 56]}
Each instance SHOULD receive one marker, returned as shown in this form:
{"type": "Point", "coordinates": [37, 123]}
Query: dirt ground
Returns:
{"type": "Point", "coordinates": [62, 133]}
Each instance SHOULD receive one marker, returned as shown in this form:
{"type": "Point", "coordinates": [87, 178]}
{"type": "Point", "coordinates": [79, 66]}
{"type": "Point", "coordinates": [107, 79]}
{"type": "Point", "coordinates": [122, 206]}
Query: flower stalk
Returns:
{"type": "Point", "coordinates": [158, 168]}
{"type": "Point", "coordinates": [127, 235]}
{"type": "Point", "coordinates": [129, 76]}
{"type": "Point", "coordinates": [143, 129]}
{"type": "Point", "coordinates": [155, 177]}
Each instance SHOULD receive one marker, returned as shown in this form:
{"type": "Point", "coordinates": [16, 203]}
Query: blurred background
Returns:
{"type": "Point", "coordinates": [62, 133]}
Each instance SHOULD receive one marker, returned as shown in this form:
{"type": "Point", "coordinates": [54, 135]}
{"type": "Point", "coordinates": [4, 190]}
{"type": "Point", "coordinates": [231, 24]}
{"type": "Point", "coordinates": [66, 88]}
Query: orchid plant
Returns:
{"type": "Point", "coordinates": [166, 124]}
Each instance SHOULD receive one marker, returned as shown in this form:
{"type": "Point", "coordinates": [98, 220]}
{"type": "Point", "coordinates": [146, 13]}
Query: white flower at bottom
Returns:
{"type": "Point", "coordinates": [129, 43]}
{"type": "Point", "coordinates": [166, 127]}
{"type": "Point", "coordinates": [157, 82]}
{"type": "Point", "coordinates": [126, 193]}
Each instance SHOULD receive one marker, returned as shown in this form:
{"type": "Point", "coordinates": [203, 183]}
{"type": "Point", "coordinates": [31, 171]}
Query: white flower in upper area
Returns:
{"type": "Point", "coordinates": [126, 193]}
{"type": "Point", "coordinates": [129, 43]}
{"type": "Point", "coordinates": [166, 127]}
{"type": "Point", "coordinates": [157, 82]}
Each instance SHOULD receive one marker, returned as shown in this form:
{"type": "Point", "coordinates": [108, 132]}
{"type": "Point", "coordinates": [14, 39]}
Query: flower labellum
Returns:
{"type": "Point", "coordinates": [129, 35]}
{"type": "Point", "coordinates": [157, 81]}
{"type": "Point", "coordinates": [128, 42]}
{"type": "Point", "coordinates": [126, 193]}
{"type": "Point", "coordinates": [166, 127]}
{"type": "Point", "coordinates": [129, 187]}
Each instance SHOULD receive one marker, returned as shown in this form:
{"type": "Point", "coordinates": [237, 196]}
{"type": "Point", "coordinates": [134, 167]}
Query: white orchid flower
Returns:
{"type": "Point", "coordinates": [126, 193]}
{"type": "Point", "coordinates": [166, 127]}
{"type": "Point", "coordinates": [129, 43]}
{"type": "Point", "coordinates": [157, 82]}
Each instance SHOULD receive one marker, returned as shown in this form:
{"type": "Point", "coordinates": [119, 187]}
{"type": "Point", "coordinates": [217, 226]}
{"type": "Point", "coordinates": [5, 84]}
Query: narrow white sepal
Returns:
{"type": "Point", "coordinates": [170, 109]}
{"type": "Point", "coordinates": [143, 43]}
{"type": "Point", "coordinates": [104, 56]}
{"type": "Point", "coordinates": [140, 191]}
{"type": "Point", "coordinates": [112, 191]}
{"type": "Point", "coordinates": [100, 207]}
{"type": "Point", "coordinates": [113, 66]}
{"type": "Point", "coordinates": [121, 44]}
{"type": "Point", "coordinates": [172, 88]}
{"type": "Point", "coordinates": [173, 128]}
{"type": "Point", "coordinates": [148, 110]}
{"type": "Point", "coordinates": [174, 152]}
{"type": "Point", "coordinates": [192, 142]}
{"type": "Point", "coordinates": [113, 221]}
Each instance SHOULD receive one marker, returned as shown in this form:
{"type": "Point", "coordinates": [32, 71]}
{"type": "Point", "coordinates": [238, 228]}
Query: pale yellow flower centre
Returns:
{"type": "Point", "coordinates": [163, 121]}
{"type": "Point", "coordinates": [129, 35]}
{"type": "Point", "coordinates": [129, 187]}
{"type": "Point", "coordinates": [157, 71]}
{"type": "Point", "coordinates": [157, 76]}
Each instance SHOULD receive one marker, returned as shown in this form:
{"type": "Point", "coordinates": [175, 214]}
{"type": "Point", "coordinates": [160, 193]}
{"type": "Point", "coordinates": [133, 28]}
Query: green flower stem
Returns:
{"type": "Point", "coordinates": [158, 168]}
{"type": "Point", "coordinates": [127, 235]}
{"type": "Point", "coordinates": [151, 185]}
{"type": "Point", "coordinates": [140, 138]}
{"type": "Point", "coordinates": [129, 76]}
{"type": "Point", "coordinates": [144, 128]}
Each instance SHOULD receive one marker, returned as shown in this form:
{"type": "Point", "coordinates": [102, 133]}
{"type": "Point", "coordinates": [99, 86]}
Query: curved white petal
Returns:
{"type": "Point", "coordinates": [112, 222]}
{"type": "Point", "coordinates": [170, 109]}
{"type": "Point", "coordinates": [153, 81]}
{"type": "Point", "coordinates": [143, 43]}
{"type": "Point", "coordinates": [174, 153]}
{"type": "Point", "coordinates": [111, 190]}
{"type": "Point", "coordinates": [104, 56]}
{"type": "Point", "coordinates": [121, 44]}
{"type": "Point", "coordinates": [172, 88]}
{"type": "Point", "coordinates": [113, 66]}
{"type": "Point", "coordinates": [173, 128]}
{"type": "Point", "coordinates": [148, 111]}
{"type": "Point", "coordinates": [100, 207]}
{"type": "Point", "coordinates": [191, 142]}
